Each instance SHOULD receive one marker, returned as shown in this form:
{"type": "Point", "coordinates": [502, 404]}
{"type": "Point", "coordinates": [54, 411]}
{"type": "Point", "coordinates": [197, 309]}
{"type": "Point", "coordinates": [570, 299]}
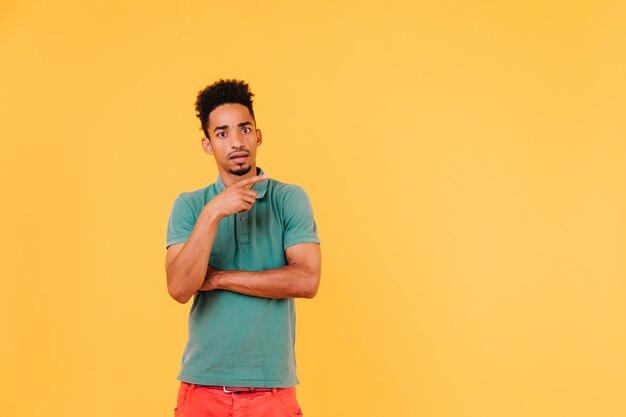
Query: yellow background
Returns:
{"type": "Point", "coordinates": [466, 162]}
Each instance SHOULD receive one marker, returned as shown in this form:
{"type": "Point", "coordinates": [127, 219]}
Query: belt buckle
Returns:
{"type": "Point", "coordinates": [227, 391]}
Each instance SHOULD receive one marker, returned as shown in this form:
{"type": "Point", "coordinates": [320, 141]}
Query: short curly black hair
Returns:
{"type": "Point", "coordinates": [221, 92]}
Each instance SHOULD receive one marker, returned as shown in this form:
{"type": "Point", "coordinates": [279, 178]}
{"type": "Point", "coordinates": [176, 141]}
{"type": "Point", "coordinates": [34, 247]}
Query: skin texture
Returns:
{"type": "Point", "coordinates": [232, 129]}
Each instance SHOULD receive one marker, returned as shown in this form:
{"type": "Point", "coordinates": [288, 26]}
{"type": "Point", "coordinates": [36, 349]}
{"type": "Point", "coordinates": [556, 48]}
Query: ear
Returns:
{"type": "Point", "coordinates": [206, 145]}
{"type": "Point", "coordinates": [259, 137]}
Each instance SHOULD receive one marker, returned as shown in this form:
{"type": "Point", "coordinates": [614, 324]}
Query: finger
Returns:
{"type": "Point", "coordinates": [249, 182]}
{"type": "Point", "coordinates": [250, 199]}
{"type": "Point", "coordinates": [246, 207]}
{"type": "Point", "coordinates": [251, 193]}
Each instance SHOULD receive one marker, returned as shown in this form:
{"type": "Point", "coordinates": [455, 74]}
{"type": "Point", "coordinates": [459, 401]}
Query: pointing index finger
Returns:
{"type": "Point", "coordinates": [249, 182]}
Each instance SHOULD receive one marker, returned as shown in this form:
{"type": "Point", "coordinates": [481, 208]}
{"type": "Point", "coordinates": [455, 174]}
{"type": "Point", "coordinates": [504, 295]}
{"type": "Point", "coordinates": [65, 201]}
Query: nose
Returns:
{"type": "Point", "coordinates": [235, 141]}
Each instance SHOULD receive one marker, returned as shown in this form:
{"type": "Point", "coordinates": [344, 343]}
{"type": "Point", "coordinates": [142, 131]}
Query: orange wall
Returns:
{"type": "Point", "coordinates": [466, 165]}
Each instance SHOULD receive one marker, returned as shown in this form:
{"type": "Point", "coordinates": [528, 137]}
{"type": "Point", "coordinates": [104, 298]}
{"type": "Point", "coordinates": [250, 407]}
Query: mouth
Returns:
{"type": "Point", "coordinates": [239, 157]}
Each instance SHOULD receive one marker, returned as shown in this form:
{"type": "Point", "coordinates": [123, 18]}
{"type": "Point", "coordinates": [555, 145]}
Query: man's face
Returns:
{"type": "Point", "coordinates": [234, 138]}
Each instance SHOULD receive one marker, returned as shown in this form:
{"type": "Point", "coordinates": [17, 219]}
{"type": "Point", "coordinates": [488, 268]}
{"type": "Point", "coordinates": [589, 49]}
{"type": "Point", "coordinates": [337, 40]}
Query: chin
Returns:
{"type": "Point", "coordinates": [241, 170]}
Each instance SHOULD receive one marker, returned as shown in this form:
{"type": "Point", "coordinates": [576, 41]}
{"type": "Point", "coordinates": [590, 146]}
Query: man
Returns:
{"type": "Point", "coordinates": [243, 247]}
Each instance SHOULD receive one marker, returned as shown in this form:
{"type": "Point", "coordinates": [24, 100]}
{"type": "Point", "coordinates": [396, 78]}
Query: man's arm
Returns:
{"type": "Point", "coordinates": [300, 278]}
{"type": "Point", "coordinates": [186, 263]}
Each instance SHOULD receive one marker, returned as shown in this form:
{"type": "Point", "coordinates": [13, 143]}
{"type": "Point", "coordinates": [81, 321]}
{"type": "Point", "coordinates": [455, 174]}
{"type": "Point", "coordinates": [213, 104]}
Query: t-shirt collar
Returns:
{"type": "Point", "coordinates": [260, 187]}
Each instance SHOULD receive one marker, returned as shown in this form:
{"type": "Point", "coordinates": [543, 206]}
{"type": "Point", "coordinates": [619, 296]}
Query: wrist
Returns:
{"type": "Point", "coordinates": [210, 214]}
{"type": "Point", "coordinates": [213, 280]}
{"type": "Point", "coordinates": [217, 281]}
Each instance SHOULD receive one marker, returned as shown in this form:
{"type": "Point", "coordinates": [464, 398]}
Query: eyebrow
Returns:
{"type": "Point", "coordinates": [226, 126]}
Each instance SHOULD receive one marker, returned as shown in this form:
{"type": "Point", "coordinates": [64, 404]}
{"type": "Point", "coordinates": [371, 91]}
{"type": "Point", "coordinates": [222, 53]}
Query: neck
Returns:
{"type": "Point", "coordinates": [228, 178]}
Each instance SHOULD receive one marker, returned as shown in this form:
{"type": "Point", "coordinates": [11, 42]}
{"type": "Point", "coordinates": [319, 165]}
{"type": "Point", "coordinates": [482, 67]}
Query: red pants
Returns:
{"type": "Point", "coordinates": [200, 401]}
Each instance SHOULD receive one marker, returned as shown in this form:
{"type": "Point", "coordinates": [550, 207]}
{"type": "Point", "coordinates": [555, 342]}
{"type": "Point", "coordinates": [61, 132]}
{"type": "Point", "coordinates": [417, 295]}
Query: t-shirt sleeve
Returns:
{"type": "Point", "coordinates": [181, 222]}
{"type": "Point", "coordinates": [299, 223]}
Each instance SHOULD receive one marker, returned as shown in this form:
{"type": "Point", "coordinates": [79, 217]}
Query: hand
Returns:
{"type": "Point", "coordinates": [211, 279]}
{"type": "Point", "coordinates": [238, 197]}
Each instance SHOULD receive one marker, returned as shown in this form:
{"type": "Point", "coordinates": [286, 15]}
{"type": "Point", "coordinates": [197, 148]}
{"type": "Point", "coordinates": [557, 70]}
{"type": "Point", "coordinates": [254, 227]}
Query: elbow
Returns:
{"type": "Point", "coordinates": [180, 297]}
{"type": "Point", "coordinates": [177, 293]}
{"type": "Point", "coordinates": [310, 289]}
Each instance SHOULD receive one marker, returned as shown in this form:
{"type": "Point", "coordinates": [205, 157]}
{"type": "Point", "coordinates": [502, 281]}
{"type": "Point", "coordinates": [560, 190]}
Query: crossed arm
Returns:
{"type": "Point", "coordinates": [300, 278]}
{"type": "Point", "coordinates": [188, 270]}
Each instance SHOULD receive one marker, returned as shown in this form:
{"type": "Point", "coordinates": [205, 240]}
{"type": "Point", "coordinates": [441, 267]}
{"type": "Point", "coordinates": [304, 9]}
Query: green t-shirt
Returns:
{"type": "Point", "coordinates": [237, 339]}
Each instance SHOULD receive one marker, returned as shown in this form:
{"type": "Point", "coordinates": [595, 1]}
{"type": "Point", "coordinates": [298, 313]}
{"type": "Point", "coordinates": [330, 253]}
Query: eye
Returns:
{"type": "Point", "coordinates": [221, 134]}
{"type": "Point", "coordinates": [246, 130]}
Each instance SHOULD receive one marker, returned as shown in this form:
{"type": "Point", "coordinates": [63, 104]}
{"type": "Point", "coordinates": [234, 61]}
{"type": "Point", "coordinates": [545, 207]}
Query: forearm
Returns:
{"type": "Point", "coordinates": [187, 271]}
{"type": "Point", "coordinates": [290, 281]}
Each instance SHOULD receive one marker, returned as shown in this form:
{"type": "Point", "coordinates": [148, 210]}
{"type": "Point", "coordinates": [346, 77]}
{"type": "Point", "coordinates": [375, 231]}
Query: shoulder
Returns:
{"type": "Point", "coordinates": [289, 198]}
{"type": "Point", "coordinates": [284, 190]}
{"type": "Point", "coordinates": [195, 199]}
{"type": "Point", "coordinates": [287, 195]}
